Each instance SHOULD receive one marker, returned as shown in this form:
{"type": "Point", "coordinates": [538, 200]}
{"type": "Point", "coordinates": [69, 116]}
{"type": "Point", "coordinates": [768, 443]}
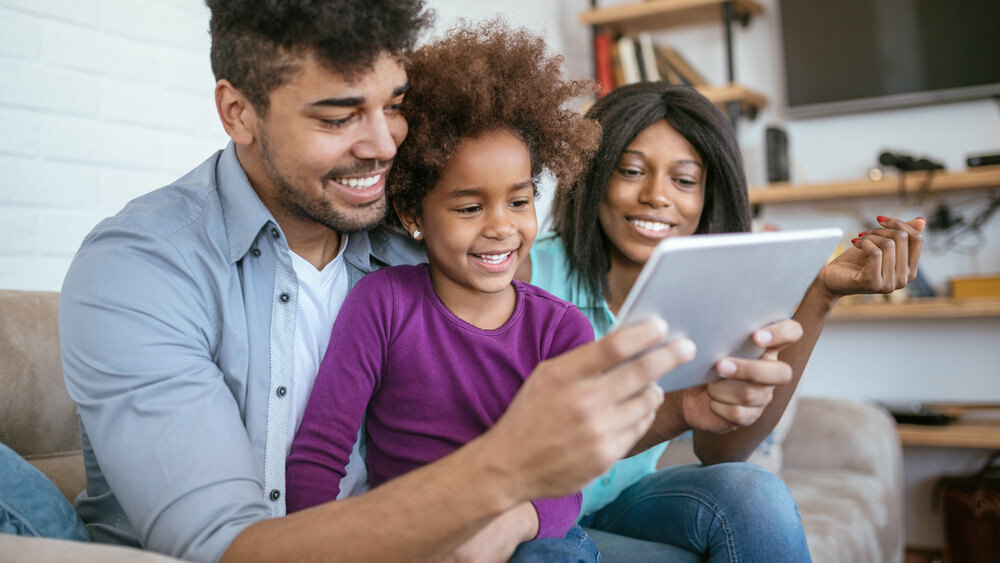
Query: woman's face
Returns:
{"type": "Point", "coordinates": [657, 191]}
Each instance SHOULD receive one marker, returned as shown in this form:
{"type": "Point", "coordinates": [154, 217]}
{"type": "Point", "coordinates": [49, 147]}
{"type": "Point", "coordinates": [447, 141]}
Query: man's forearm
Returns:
{"type": "Point", "coordinates": [421, 516]}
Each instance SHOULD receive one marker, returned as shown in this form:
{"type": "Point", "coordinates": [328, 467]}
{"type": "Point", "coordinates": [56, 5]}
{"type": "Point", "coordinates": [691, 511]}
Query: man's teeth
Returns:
{"type": "Point", "coordinates": [359, 183]}
{"type": "Point", "coordinates": [649, 225]}
{"type": "Point", "coordinates": [493, 258]}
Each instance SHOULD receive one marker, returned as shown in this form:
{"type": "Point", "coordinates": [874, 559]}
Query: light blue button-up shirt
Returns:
{"type": "Point", "coordinates": [177, 321]}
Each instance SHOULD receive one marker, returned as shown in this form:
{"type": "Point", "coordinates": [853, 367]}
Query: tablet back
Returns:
{"type": "Point", "coordinates": [718, 289]}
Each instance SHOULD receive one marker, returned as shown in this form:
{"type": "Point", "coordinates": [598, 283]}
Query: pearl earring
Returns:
{"type": "Point", "coordinates": [416, 235]}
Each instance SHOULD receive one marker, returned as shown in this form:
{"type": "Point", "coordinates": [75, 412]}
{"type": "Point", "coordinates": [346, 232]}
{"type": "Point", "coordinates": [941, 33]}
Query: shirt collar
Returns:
{"type": "Point", "coordinates": [242, 210]}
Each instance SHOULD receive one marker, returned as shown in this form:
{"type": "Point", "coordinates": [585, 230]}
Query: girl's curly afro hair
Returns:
{"type": "Point", "coordinates": [479, 79]}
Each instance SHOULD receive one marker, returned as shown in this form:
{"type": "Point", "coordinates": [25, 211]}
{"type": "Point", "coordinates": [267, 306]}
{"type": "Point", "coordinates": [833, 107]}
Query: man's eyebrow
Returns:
{"type": "Point", "coordinates": [356, 100]}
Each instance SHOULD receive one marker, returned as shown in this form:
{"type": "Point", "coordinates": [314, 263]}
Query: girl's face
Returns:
{"type": "Point", "coordinates": [657, 191]}
{"type": "Point", "coordinates": [478, 222]}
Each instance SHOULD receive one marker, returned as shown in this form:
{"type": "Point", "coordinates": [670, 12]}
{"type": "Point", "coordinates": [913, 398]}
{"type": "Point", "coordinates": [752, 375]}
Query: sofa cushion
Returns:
{"type": "Point", "coordinates": [847, 516]}
{"type": "Point", "coordinates": [39, 419]}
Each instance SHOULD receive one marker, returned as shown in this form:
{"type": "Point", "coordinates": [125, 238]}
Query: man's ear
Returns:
{"type": "Point", "coordinates": [410, 221]}
{"type": "Point", "coordinates": [236, 112]}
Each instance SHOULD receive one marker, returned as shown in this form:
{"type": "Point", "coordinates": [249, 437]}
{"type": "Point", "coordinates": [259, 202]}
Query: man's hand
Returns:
{"type": "Point", "coordinates": [580, 412]}
{"type": "Point", "coordinates": [881, 260]}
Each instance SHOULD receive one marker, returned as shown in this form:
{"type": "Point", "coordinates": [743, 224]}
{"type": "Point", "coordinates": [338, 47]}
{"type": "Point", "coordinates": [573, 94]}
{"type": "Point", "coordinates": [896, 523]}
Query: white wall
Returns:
{"type": "Point", "coordinates": [100, 101]}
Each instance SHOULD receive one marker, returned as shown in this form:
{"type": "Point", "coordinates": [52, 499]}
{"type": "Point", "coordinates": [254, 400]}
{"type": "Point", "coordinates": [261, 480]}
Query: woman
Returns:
{"type": "Point", "coordinates": [668, 165]}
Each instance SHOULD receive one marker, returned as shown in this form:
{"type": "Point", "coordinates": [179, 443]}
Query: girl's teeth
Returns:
{"type": "Point", "coordinates": [359, 183]}
{"type": "Point", "coordinates": [493, 258]}
{"type": "Point", "coordinates": [650, 225]}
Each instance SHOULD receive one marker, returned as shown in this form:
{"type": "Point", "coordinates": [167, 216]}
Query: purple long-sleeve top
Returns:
{"type": "Point", "coordinates": [425, 381]}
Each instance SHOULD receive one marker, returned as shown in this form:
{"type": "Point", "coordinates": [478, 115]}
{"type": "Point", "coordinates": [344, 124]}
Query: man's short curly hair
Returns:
{"type": "Point", "coordinates": [256, 44]}
{"type": "Point", "coordinates": [479, 79]}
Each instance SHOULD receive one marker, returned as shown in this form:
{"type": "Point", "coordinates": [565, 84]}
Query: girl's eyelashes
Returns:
{"type": "Point", "coordinates": [519, 203]}
{"type": "Point", "coordinates": [468, 210]}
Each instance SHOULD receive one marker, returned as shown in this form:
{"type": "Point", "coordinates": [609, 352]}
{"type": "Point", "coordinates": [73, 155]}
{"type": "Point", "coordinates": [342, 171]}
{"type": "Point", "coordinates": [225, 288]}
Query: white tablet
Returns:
{"type": "Point", "coordinates": [717, 290]}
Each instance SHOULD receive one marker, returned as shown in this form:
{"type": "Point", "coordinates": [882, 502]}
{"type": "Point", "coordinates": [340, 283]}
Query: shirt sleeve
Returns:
{"type": "Point", "coordinates": [348, 377]}
{"type": "Point", "coordinates": [136, 331]}
{"type": "Point", "coordinates": [557, 515]}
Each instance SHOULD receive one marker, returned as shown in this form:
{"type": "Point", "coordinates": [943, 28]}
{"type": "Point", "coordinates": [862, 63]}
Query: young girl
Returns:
{"type": "Point", "coordinates": [429, 356]}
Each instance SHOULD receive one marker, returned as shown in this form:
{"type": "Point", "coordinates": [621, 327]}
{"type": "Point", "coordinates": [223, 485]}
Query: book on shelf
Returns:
{"type": "Point", "coordinates": [647, 57]}
{"type": "Point", "coordinates": [628, 61]}
{"type": "Point", "coordinates": [603, 65]}
{"type": "Point", "coordinates": [681, 66]}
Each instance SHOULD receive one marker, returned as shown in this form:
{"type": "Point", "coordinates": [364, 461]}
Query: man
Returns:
{"type": "Point", "coordinates": [192, 322]}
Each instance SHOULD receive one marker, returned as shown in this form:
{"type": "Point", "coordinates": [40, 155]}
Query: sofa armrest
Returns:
{"type": "Point", "coordinates": [845, 434]}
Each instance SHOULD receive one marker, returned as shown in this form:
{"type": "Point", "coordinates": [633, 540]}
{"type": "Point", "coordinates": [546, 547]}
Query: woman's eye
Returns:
{"type": "Point", "coordinates": [630, 172]}
{"type": "Point", "coordinates": [687, 182]}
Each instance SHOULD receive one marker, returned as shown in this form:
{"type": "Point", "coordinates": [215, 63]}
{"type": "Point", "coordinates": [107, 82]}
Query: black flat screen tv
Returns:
{"type": "Point", "coordinates": [846, 56]}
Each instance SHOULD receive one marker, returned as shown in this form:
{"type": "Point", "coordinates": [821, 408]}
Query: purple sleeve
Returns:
{"type": "Point", "coordinates": [348, 376]}
{"type": "Point", "coordinates": [557, 515]}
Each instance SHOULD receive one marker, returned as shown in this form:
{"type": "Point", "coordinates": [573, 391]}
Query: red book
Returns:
{"type": "Point", "coordinates": [603, 69]}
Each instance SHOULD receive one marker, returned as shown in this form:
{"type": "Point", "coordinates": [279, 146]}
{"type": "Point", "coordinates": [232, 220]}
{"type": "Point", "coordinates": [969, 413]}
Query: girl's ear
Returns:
{"type": "Point", "coordinates": [410, 222]}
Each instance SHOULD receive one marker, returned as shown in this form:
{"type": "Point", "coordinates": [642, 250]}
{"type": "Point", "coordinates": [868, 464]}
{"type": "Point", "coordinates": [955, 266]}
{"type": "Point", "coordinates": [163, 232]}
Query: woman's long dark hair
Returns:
{"type": "Point", "coordinates": [623, 114]}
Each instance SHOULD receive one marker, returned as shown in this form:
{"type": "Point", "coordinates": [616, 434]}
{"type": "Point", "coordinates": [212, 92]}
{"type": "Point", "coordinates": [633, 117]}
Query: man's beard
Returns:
{"type": "Point", "coordinates": [346, 221]}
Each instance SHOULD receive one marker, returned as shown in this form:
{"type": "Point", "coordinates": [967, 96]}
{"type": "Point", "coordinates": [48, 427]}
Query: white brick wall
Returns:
{"type": "Point", "coordinates": [100, 101]}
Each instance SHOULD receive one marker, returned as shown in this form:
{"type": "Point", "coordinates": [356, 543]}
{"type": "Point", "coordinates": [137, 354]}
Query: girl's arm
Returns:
{"type": "Point", "coordinates": [346, 381]}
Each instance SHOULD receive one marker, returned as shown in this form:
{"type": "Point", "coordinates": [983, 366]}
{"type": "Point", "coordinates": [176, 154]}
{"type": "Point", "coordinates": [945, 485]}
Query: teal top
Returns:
{"type": "Point", "coordinates": [550, 271]}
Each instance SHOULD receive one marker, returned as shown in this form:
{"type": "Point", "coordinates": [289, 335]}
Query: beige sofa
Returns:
{"type": "Point", "coordinates": [841, 459]}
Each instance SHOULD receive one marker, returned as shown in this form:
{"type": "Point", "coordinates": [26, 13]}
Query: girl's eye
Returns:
{"type": "Point", "coordinates": [520, 203]}
{"type": "Point", "coordinates": [469, 210]}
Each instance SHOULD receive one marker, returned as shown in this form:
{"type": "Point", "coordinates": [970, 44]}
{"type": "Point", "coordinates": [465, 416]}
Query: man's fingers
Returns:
{"type": "Point", "coordinates": [620, 345]}
{"type": "Point", "coordinates": [631, 376]}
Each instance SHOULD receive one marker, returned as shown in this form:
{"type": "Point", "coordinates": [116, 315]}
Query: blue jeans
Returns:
{"type": "Point", "coordinates": [31, 505]}
{"type": "Point", "coordinates": [725, 512]}
{"type": "Point", "coordinates": [575, 547]}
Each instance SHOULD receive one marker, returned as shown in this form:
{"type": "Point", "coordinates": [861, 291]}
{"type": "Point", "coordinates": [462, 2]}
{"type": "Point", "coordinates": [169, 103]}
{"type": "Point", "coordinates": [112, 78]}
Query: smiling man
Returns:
{"type": "Point", "coordinates": [193, 322]}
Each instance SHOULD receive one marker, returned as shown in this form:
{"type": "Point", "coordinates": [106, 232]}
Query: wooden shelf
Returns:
{"type": "Point", "coordinates": [958, 434]}
{"type": "Point", "coordinates": [657, 14]}
{"type": "Point", "coordinates": [749, 100]}
{"type": "Point", "coordinates": [889, 185]}
{"type": "Point", "coordinates": [924, 308]}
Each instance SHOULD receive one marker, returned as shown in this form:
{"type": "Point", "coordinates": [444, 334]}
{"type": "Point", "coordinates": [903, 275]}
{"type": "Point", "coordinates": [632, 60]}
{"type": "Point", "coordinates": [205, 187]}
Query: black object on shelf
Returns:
{"type": "Point", "coordinates": [916, 413]}
{"type": "Point", "coordinates": [982, 160]}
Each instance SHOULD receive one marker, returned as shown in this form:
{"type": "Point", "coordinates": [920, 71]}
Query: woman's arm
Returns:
{"type": "Point", "coordinates": [880, 261]}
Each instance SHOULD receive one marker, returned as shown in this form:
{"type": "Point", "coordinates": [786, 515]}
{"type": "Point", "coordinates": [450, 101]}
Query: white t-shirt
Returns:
{"type": "Point", "coordinates": [321, 293]}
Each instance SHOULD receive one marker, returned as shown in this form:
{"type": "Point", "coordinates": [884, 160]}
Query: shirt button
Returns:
{"type": "Point", "coordinates": [274, 232]}
{"type": "Point", "coordinates": [255, 252]}
{"type": "Point", "coordinates": [606, 481]}
{"type": "Point", "coordinates": [282, 391]}
{"type": "Point", "coordinates": [275, 494]}
{"type": "Point", "coordinates": [285, 297]}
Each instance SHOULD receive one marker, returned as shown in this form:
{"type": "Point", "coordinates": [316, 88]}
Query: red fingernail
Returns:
{"type": "Point", "coordinates": [862, 233]}
{"type": "Point", "coordinates": [922, 219]}
{"type": "Point", "coordinates": [854, 241]}
{"type": "Point", "coordinates": [882, 218]}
